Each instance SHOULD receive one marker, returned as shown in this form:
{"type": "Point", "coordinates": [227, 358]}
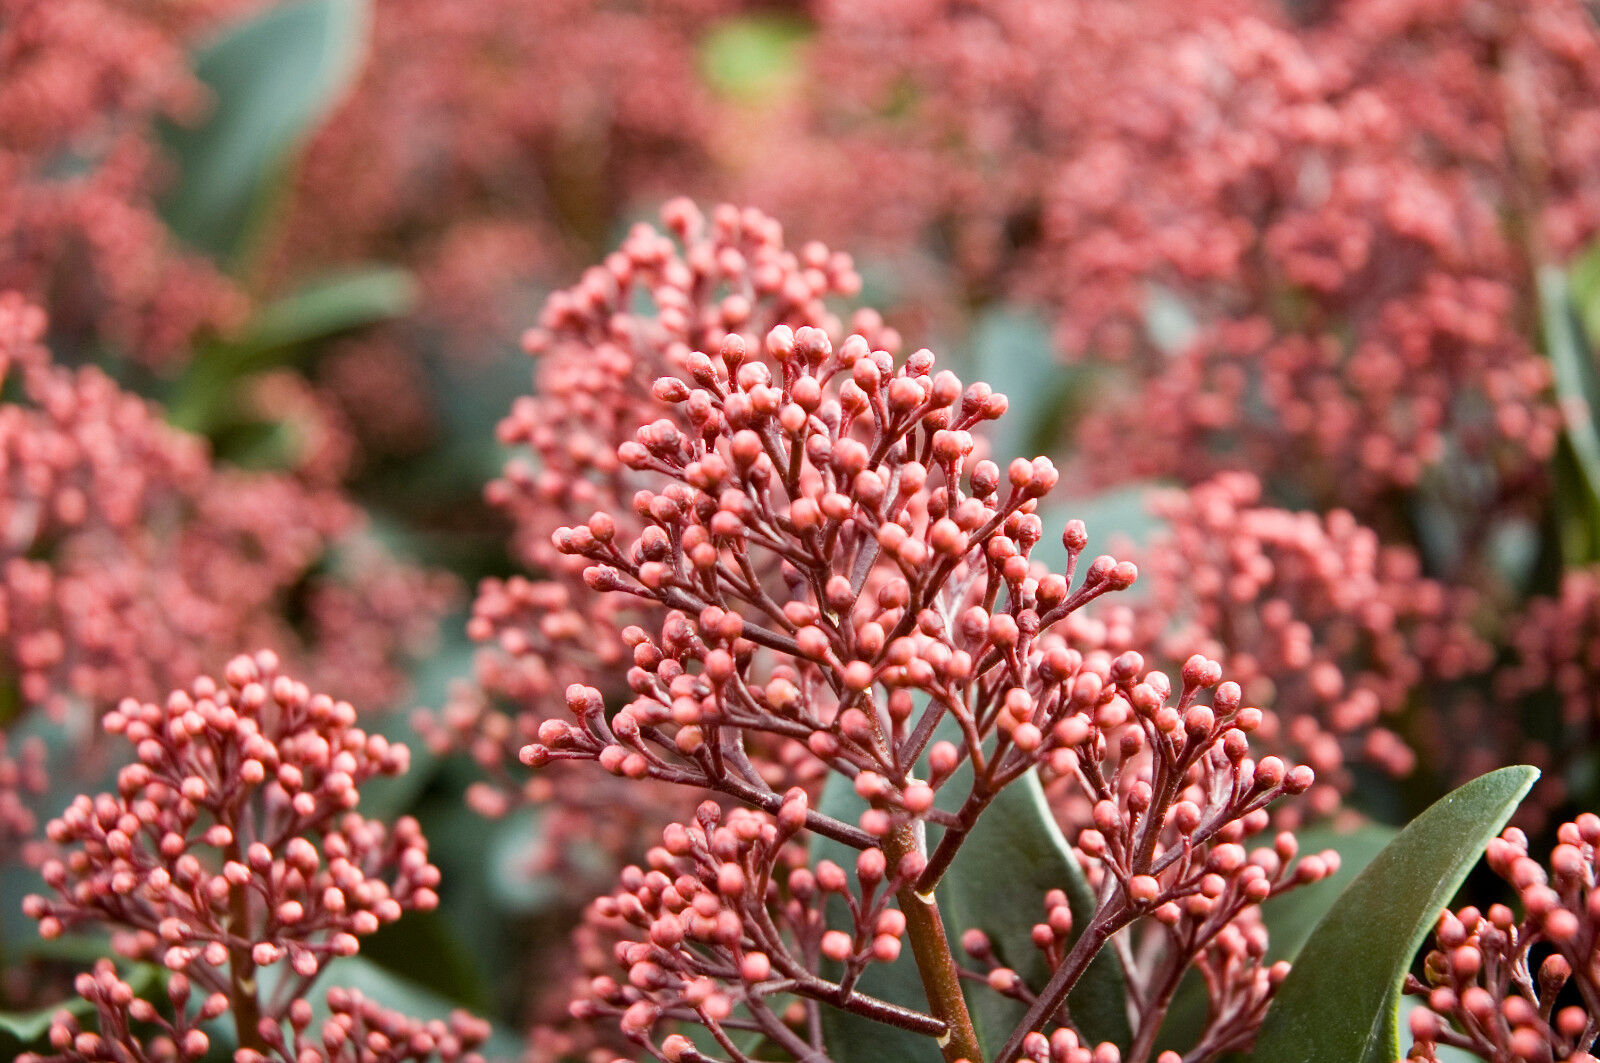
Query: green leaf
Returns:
{"type": "Point", "coordinates": [26, 1027]}
{"type": "Point", "coordinates": [272, 78]}
{"type": "Point", "coordinates": [1012, 349]}
{"type": "Point", "coordinates": [320, 308]}
{"type": "Point", "coordinates": [1578, 393]}
{"type": "Point", "coordinates": [325, 306]}
{"type": "Point", "coordinates": [423, 949]}
{"type": "Point", "coordinates": [1014, 856]}
{"type": "Point", "coordinates": [1341, 1002]}
{"type": "Point", "coordinates": [753, 58]}
{"type": "Point", "coordinates": [1290, 917]}
{"type": "Point", "coordinates": [1584, 276]}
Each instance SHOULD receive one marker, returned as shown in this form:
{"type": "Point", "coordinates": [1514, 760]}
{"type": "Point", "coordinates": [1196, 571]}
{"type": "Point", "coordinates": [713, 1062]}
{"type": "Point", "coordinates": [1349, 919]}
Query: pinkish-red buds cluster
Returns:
{"type": "Point", "coordinates": [132, 563]}
{"type": "Point", "coordinates": [728, 917]}
{"type": "Point", "coordinates": [1512, 988]}
{"type": "Point", "coordinates": [838, 582]}
{"type": "Point", "coordinates": [232, 844]}
{"type": "Point", "coordinates": [1325, 628]}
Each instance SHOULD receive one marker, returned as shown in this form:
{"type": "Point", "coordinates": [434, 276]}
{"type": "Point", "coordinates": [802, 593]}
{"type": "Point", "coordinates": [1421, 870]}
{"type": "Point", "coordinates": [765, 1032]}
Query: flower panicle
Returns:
{"type": "Point", "coordinates": [232, 845]}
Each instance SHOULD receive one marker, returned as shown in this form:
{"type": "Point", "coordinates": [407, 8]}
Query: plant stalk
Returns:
{"type": "Point", "coordinates": [242, 985]}
{"type": "Point", "coordinates": [930, 945]}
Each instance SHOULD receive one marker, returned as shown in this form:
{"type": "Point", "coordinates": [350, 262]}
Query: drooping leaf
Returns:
{"type": "Point", "coordinates": [20, 1029]}
{"type": "Point", "coordinates": [26, 1027]}
{"type": "Point", "coordinates": [1341, 1002]}
{"type": "Point", "coordinates": [273, 77]}
{"type": "Point", "coordinates": [319, 309]}
{"type": "Point", "coordinates": [325, 306]}
{"type": "Point", "coordinates": [1578, 392]}
{"type": "Point", "coordinates": [1014, 856]}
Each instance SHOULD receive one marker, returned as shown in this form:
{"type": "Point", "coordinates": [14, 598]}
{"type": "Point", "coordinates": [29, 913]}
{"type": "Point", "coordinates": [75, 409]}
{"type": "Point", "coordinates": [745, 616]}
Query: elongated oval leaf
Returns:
{"type": "Point", "coordinates": [325, 306]}
{"type": "Point", "coordinates": [1341, 1002]}
{"type": "Point", "coordinates": [272, 79]}
{"type": "Point", "coordinates": [1578, 392]}
{"type": "Point", "coordinates": [1014, 856]}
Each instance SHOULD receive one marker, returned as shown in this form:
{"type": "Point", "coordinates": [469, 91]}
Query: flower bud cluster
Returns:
{"type": "Point", "coordinates": [232, 843]}
{"type": "Point", "coordinates": [1518, 989]}
{"type": "Point", "coordinates": [726, 928]}
{"type": "Point", "coordinates": [843, 585]}
{"type": "Point", "coordinates": [830, 553]}
{"type": "Point", "coordinates": [131, 563]}
{"type": "Point", "coordinates": [176, 1032]}
{"type": "Point", "coordinates": [360, 1030]}
{"type": "Point", "coordinates": [599, 348]}
{"type": "Point", "coordinates": [1165, 798]}
{"type": "Point", "coordinates": [1318, 623]}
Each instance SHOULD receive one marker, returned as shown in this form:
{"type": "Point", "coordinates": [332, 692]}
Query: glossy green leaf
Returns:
{"type": "Point", "coordinates": [1290, 917]}
{"type": "Point", "coordinates": [326, 306]}
{"type": "Point", "coordinates": [1341, 1002]}
{"type": "Point", "coordinates": [998, 881]}
{"type": "Point", "coordinates": [272, 78]}
{"type": "Point", "coordinates": [1578, 392]}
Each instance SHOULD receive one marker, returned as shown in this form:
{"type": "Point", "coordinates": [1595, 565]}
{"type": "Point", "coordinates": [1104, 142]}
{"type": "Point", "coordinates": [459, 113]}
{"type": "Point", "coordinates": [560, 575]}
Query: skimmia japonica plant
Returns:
{"type": "Point", "coordinates": [899, 787]}
{"type": "Point", "coordinates": [803, 714]}
{"type": "Point", "coordinates": [840, 571]}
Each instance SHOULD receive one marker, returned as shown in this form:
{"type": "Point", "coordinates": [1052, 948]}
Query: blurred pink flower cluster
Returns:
{"type": "Point", "coordinates": [86, 82]}
{"type": "Point", "coordinates": [1349, 208]}
{"type": "Point", "coordinates": [131, 562]}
